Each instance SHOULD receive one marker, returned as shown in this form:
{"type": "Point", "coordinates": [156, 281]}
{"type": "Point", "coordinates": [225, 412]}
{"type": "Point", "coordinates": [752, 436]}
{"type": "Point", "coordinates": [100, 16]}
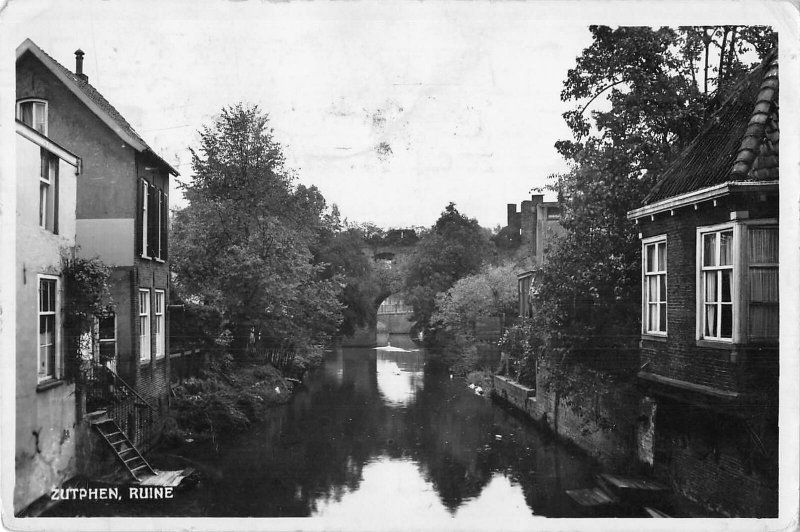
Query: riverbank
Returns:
{"type": "Point", "coordinates": [231, 396]}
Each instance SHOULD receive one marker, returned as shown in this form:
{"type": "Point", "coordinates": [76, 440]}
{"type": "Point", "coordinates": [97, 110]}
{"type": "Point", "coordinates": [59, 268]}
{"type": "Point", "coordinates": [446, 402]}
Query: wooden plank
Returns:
{"type": "Point", "coordinates": [591, 497]}
{"type": "Point", "coordinates": [167, 478]}
{"type": "Point", "coordinates": [632, 483]}
{"type": "Point", "coordinates": [655, 513]}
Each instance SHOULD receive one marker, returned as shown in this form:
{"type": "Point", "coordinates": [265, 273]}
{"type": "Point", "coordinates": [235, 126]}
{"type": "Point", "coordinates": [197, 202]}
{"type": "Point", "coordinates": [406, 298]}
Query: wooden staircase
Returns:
{"type": "Point", "coordinates": [123, 448]}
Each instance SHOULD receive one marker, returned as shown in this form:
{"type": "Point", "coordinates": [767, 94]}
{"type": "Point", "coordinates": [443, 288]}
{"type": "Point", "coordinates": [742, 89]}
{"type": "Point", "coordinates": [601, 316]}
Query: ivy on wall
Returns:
{"type": "Point", "coordinates": [87, 296]}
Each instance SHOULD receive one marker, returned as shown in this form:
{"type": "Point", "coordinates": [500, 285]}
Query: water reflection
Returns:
{"type": "Point", "coordinates": [377, 433]}
{"type": "Point", "coordinates": [400, 375]}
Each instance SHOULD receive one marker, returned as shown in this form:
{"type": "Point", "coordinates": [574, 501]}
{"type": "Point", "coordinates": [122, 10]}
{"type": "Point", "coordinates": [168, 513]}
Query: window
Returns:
{"type": "Point", "coordinates": [48, 190]}
{"type": "Point", "coordinates": [48, 323]}
{"type": "Point", "coordinates": [107, 336]}
{"type": "Point", "coordinates": [763, 315]}
{"type": "Point", "coordinates": [158, 324]}
{"type": "Point", "coordinates": [655, 285]}
{"type": "Point", "coordinates": [738, 282]}
{"type": "Point", "coordinates": [144, 325]}
{"type": "Point", "coordinates": [34, 114]}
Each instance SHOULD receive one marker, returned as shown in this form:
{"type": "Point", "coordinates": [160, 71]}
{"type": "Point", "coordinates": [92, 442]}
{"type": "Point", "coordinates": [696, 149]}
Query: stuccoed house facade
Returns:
{"type": "Point", "coordinates": [120, 210]}
{"type": "Point", "coordinates": [45, 403]}
{"type": "Point", "coordinates": [709, 344]}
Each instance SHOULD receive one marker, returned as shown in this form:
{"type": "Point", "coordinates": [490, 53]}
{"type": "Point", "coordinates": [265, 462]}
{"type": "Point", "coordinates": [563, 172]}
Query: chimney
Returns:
{"type": "Point", "coordinates": [79, 65]}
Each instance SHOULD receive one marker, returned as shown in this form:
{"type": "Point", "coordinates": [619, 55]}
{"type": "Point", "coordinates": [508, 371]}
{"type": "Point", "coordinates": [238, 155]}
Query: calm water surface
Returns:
{"type": "Point", "coordinates": [377, 436]}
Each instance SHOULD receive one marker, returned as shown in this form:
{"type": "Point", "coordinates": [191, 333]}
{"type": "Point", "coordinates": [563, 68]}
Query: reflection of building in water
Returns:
{"type": "Point", "coordinates": [400, 376]}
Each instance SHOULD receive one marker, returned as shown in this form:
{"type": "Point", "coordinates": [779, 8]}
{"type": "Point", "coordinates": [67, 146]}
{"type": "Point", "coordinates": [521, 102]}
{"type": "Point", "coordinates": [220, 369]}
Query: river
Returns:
{"type": "Point", "coordinates": [377, 437]}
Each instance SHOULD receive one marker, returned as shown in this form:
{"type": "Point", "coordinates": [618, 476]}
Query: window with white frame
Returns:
{"type": "Point", "coordinates": [33, 113]}
{"type": "Point", "coordinates": [159, 323]}
{"type": "Point", "coordinates": [654, 254]}
{"type": "Point", "coordinates": [48, 191]}
{"type": "Point", "coordinates": [144, 324]}
{"type": "Point", "coordinates": [716, 278]}
{"type": "Point", "coordinates": [48, 328]}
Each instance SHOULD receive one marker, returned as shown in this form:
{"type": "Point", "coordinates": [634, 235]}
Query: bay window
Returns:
{"type": "Point", "coordinates": [738, 282]}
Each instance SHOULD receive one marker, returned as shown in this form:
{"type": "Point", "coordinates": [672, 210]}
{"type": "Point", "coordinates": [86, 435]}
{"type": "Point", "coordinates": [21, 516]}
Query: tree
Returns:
{"type": "Point", "coordinates": [455, 246]}
{"type": "Point", "coordinates": [490, 293]}
{"type": "Point", "coordinates": [343, 257]}
{"type": "Point", "coordinates": [245, 242]}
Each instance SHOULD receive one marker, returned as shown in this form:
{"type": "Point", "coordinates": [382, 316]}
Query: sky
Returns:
{"type": "Point", "coordinates": [391, 110]}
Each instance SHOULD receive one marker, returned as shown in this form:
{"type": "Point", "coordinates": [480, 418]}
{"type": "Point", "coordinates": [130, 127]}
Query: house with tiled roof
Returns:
{"type": "Point", "coordinates": [120, 205]}
{"type": "Point", "coordinates": [710, 306]}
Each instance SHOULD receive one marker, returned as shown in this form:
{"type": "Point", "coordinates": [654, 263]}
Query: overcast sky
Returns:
{"type": "Point", "coordinates": [391, 109]}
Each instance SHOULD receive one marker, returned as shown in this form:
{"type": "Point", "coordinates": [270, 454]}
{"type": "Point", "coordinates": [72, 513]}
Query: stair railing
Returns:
{"type": "Point", "coordinates": [132, 412]}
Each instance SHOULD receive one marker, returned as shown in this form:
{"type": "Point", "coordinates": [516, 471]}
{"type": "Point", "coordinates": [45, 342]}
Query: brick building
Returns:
{"type": "Point", "coordinates": [120, 216]}
{"type": "Point", "coordinates": [709, 339]}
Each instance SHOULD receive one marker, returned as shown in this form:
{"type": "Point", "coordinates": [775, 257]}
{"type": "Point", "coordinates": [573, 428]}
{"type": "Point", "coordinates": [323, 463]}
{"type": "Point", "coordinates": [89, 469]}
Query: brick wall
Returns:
{"type": "Point", "coordinates": [713, 459]}
{"type": "Point", "coordinates": [678, 356]}
{"type": "Point", "coordinates": [603, 423]}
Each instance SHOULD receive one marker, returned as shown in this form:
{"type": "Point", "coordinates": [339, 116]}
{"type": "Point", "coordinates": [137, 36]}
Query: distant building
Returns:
{"type": "Point", "coordinates": [116, 211]}
{"type": "Point", "coordinates": [531, 230]}
{"type": "Point", "coordinates": [710, 310]}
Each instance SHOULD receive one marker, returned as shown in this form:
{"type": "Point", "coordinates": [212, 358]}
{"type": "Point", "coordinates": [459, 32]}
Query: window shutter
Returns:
{"type": "Point", "coordinates": [164, 225]}
{"type": "Point", "coordinates": [139, 221]}
{"type": "Point", "coordinates": [152, 221]}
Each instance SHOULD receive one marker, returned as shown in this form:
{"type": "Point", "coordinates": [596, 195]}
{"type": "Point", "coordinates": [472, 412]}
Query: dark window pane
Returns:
{"type": "Point", "coordinates": [662, 324]}
{"type": "Point", "coordinates": [662, 257]}
{"type": "Point", "coordinates": [106, 327]}
{"type": "Point", "coordinates": [726, 285]}
{"type": "Point", "coordinates": [108, 349]}
{"type": "Point", "coordinates": [726, 321]}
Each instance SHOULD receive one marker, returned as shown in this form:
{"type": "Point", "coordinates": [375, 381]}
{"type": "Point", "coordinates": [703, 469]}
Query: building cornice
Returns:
{"type": "Point", "coordinates": [701, 195]}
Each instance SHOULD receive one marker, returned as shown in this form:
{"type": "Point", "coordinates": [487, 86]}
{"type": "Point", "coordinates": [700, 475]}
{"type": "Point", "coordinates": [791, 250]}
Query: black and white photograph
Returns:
{"type": "Point", "coordinates": [431, 265]}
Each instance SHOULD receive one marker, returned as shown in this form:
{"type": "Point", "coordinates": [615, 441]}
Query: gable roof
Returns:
{"type": "Point", "coordinates": [95, 101]}
{"type": "Point", "coordinates": [738, 144]}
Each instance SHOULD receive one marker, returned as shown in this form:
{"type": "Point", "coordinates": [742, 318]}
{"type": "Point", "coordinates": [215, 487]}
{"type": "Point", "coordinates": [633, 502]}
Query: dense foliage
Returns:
{"type": "Point", "coordinates": [245, 243]}
{"type": "Point", "coordinates": [87, 296]}
{"type": "Point", "coordinates": [456, 246]}
{"type": "Point", "coordinates": [490, 293]}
